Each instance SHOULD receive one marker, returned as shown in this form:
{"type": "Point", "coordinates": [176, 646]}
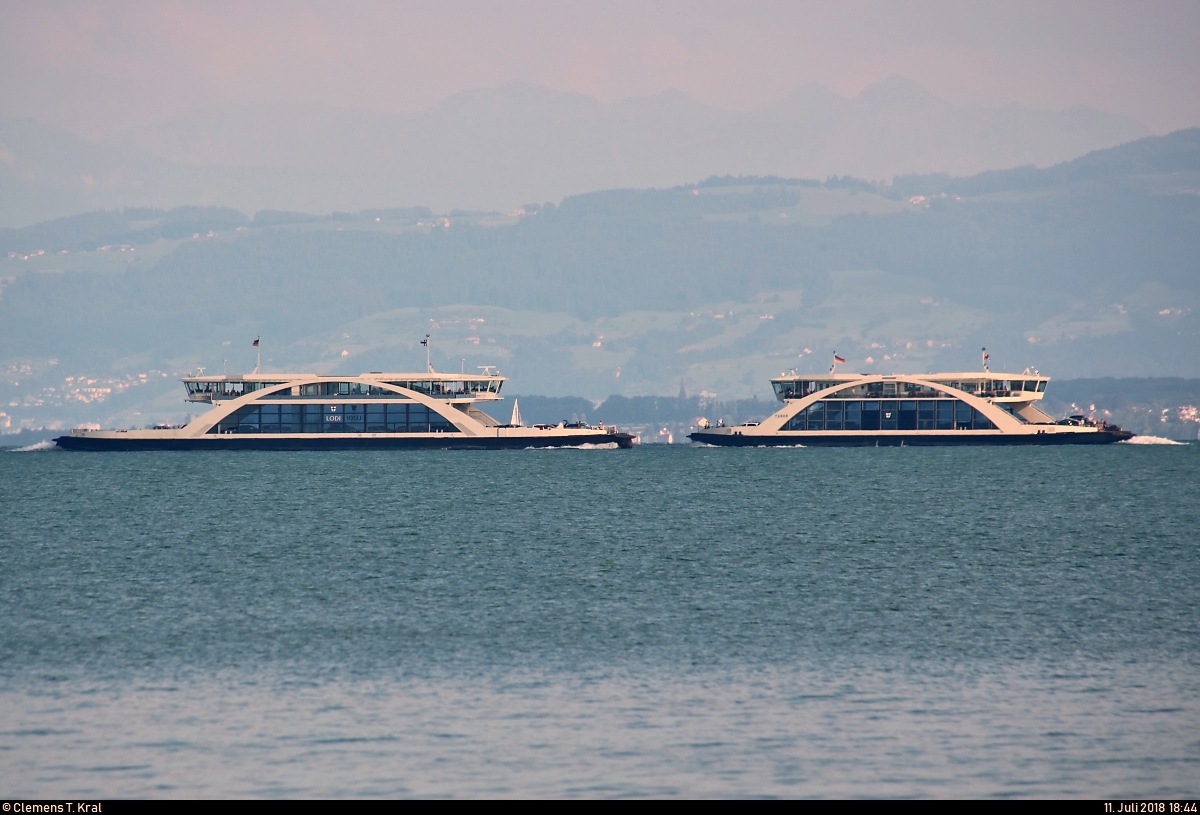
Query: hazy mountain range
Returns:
{"type": "Point", "coordinates": [497, 148]}
{"type": "Point", "coordinates": [1083, 269]}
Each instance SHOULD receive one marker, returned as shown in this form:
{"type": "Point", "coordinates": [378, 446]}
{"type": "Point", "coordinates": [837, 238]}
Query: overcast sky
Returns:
{"type": "Point", "coordinates": [98, 67]}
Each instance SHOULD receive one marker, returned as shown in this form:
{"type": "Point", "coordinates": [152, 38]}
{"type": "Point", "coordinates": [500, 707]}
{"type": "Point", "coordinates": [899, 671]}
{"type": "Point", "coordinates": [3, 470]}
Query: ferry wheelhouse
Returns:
{"type": "Point", "coordinates": [895, 410]}
{"type": "Point", "coordinates": [372, 410]}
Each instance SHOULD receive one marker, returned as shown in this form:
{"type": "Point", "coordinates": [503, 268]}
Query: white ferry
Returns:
{"type": "Point", "coordinates": [373, 410]}
{"type": "Point", "coordinates": [897, 410]}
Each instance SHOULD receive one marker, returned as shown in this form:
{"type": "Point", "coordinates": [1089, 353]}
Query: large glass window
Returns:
{"type": "Point", "coordinates": [291, 418]}
{"type": "Point", "coordinates": [418, 419]}
{"type": "Point", "coordinates": [248, 421]}
{"type": "Point", "coordinates": [397, 418]}
{"type": "Point", "coordinates": [354, 416]}
{"type": "Point", "coordinates": [888, 415]}
{"type": "Point", "coordinates": [269, 418]}
{"type": "Point", "coordinates": [927, 414]}
{"type": "Point", "coordinates": [313, 419]}
{"type": "Point", "coordinates": [870, 414]}
{"type": "Point", "coordinates": [816, 416]}
{"type": "Point", "coordinates": [376, 417]}
{"type": "Point", "coordinates": [335, 417]}
{"type": "Point", "coordinates": [945, 414]}
{"type": "Point", "coordinates": [962, 415]}
{"type": "Point", "coordinates": [852, 415]}
{"type": "Point", "coordinates": [833, 415]}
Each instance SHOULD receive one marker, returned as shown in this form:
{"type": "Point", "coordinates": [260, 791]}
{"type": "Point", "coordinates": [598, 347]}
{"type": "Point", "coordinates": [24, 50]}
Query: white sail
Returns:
{"type": "Point", "coordinates": [515, 421]}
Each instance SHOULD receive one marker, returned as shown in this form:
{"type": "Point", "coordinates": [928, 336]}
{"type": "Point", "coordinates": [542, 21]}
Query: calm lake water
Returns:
{"type": "Point", "coordinates": [665, 621]}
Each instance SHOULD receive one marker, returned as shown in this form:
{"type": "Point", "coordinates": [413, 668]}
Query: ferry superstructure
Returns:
{"type": "Point", "coordinates": [321, 412]}
{"type": "Point", "coordinates": [850, 409]}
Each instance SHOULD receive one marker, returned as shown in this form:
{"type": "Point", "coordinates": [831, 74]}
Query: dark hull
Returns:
{"type": "Point", "coordinates": [913, 440]}
{"type": "Point", "coordinates": [265, 442]}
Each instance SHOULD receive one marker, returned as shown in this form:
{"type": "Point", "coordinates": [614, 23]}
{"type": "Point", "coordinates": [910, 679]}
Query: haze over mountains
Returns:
{"type": "Point", "coordinates": [498, 148]}
{"type": "Point", "coordinates": [1084, 269]}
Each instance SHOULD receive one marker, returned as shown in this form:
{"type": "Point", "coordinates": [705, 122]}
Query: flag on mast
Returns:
{"type": "Point", "coordinates": [836, 362]}
{"type": "Point", "coordinates": [986, 357]}
{"type": "Point", "coordinates": [255, 343]}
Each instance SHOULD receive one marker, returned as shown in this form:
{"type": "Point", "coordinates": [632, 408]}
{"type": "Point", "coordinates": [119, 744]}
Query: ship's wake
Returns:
{"type": "Point", "coordinates": [1152, 440]}
{"type": "Point", "coordinates": [35, 448]}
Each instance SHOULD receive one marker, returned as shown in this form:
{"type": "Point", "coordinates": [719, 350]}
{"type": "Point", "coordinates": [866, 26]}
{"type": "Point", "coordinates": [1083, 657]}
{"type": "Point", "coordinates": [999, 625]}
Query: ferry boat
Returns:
{"type": "Point", "coordinates": [323, 412]}
{"type": "Point", "coordinates": [849, 410]}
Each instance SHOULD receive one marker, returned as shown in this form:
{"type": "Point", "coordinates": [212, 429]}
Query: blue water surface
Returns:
{"type": "Point", "coordinates": [665, 621]}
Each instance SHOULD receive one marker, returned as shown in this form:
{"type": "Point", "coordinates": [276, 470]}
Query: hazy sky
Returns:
{"type": "Point", "coordinates": [100, 66]}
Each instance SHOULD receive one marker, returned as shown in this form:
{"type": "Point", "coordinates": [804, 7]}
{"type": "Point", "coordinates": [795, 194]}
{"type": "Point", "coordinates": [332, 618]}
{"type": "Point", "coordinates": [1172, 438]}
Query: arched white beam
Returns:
{"type": "Point", "coordinates": [466, 424]}
{"type": "Point", "coordinates": [777, 420]}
